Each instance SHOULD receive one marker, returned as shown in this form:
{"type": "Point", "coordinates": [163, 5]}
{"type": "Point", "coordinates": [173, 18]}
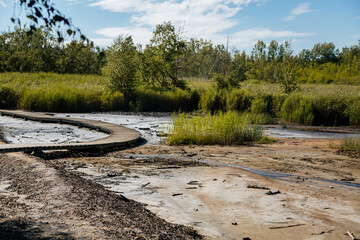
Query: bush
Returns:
{"type": "Point", "coordinates": [238, 99]}
{"type": "Point", "coordinates": [354, 113]}
{"type": "Point", "coordinates": [211, 101]}
{"type": "Point", "coordinates": [165, 101]}
{"type": "Point", "coordinates": [8, 98]}
{"type": "Point", "coordinates": [258, 105]}
{"type": "Point", "coordinates": [298, 108]}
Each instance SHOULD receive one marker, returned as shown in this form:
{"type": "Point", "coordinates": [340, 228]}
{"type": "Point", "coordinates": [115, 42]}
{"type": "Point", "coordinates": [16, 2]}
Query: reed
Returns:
{"type": "Point", "coordinates": [352, 144]}
{"type": "Point", "coordinates": [229, 128]}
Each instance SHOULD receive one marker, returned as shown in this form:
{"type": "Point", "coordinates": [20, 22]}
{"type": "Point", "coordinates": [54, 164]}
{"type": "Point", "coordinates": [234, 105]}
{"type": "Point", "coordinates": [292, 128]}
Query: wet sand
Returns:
{"type": "Point", "coordinates": [229, 203]}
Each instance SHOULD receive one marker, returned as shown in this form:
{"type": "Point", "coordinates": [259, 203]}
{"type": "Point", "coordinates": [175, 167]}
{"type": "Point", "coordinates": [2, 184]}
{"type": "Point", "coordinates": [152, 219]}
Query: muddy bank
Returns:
{"type": "Point", "coordinates": [41, 200]}
{"type": "Point", "coordinates": [230, 203]}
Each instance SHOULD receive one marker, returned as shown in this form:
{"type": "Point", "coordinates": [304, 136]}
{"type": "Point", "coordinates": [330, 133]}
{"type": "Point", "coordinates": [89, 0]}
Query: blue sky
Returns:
{"type": "Point", "coordinates": [243, 22]}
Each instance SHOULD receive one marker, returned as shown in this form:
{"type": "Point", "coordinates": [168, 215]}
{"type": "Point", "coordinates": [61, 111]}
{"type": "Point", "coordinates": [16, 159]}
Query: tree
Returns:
{"type": "Point", "coordinates": [324, 52]}
{"type": "Point", "coordinates": [44, 13]}
{"type": "Point", "coordinates": [163, 58]}
{"type": "Point", "coordinates": [121, 65]}
{"type": "Point", "coordinates": [285, 72]}
{"type": "Point", "coordinates": [79, 58]}
{"type": "Point", "coordinates": [28, 53]}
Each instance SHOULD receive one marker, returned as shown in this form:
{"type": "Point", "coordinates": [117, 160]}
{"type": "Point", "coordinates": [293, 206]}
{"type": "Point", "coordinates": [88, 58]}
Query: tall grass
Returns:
{"type": "Point", "coordinates": [352, 144]}
{"type": "Point", "coordinates": [312, 104]}
{"type": "Point", "coordinates": [85, 93]}
{"type": "Point", "coordinates": [221, 128]}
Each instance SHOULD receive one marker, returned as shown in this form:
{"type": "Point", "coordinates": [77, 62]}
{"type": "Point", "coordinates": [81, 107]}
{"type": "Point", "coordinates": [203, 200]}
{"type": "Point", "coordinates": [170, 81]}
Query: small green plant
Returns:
{"type": "Point", "coordinates": [352, 144]}
{"type": "Point", "coordinates": [221, 128]}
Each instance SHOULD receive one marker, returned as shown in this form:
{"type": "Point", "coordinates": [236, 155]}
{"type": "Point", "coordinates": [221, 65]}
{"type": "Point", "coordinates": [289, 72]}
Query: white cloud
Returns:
{"type": "Point", "coordinates": [198, 16]}
{"type": "Point", "coordinates": [74, 2]}
{"type": "Point", "coordinates": [248, 37]}
{"type": "Point", "coordinates": [299, 10]}
{"type": "Point", "coordinates": [3, 4]}
{"type": "Point", "coordinates": [102, 42]}
{"type": "Point", "coordinates": [207, 19]}
{"type": "Point", "coordinates": [139, 34]}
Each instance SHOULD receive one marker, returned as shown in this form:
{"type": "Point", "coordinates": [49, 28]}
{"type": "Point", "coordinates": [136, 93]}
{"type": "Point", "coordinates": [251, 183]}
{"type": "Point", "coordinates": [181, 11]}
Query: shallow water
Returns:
{"type": "Point", "coordinates": [150, 127]}
{"type": "Point", "coordinates": [278, 132]}
{"type": "Point", "coordinates": [273, 175]}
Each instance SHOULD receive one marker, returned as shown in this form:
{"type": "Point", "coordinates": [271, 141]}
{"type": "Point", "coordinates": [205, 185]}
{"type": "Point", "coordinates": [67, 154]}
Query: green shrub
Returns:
{"type": "Point", "coordinates": [238, 99]}
{"type": "Point", "coordinates": [258, 105]}
{"type": "Point", "coordinates": [8, 97]}
{"type": "Point", "coordinates": [354, 112]}
{"type": "Point", "coordinates": [211, 101]}
{"type": "Point", "coordinates": [331, 110]}
{"type": "Point", "coordinates": [298, 108]}
{"type": "Point", "coordinates": [165, 101]}
{"type": "Point", "coordinates": [114, 101]}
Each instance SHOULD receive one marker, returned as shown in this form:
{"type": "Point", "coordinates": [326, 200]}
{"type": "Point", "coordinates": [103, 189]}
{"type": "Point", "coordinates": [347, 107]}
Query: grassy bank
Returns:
{"type": "Point", "coordinates": [84, 93]}
{"type": "Point", "coordinates": [221, 128]}
{"type": "Point", "coordinates": [311, 104]}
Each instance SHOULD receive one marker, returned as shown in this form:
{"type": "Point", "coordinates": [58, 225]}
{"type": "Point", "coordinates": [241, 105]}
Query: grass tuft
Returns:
{"type": "Point", "coordinates": [352, 144]}
{"type": "Point", "coordinates": [230, 128]}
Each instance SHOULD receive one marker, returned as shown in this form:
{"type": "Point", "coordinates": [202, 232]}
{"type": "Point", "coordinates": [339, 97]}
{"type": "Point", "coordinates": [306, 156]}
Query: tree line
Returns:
{"type": "Point", "coordinates": [168, 58]}
{"type": "Point", "coordinates": [41, 51]}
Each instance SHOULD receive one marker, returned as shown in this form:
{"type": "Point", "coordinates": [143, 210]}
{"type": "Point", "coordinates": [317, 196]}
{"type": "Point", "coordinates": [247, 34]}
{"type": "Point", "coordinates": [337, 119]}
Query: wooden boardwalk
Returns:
{"type": "Point", "coordinates": [119, 136]}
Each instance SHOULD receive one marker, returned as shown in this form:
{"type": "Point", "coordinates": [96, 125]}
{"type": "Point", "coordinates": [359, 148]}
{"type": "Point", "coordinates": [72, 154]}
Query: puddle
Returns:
{"type": "Point", "coordinates": [278, 132]}
{"type": "Point", "coordinates": [272, 175]}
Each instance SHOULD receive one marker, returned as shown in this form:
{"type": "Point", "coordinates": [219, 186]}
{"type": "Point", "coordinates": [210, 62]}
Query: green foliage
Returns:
{"type": "Point", "coordinates": [43, 12]}
{"type": "Point", "coordinates": [298, 108]}
{"type": "Point", "coordinates": [211, 101]}
{"type": "Point", "coordinates": [354, 113]}
{"type": "Point", "coordinates": [229, 81]}
{"type": "Point", "coordinates": [40, 52]}
{"type": "Point", "coordinates": [285, 72]}
{"type": "Point", "coordinates": [221, 128]}
{"type": "Point", "coordinates": [162, 59]}
{"type": "Point", "coordinates": [121, 65]}
{"type": "Point", "coordinates": [352, 144]}
{"type": "Point", "coordinates": [165, 101]}
{"type": "Point", "coordinates": [8, 97]}
{"type": "Point", "coordinates": [238, 99]}
{"type": "Point", "coordinates": [258, 105]}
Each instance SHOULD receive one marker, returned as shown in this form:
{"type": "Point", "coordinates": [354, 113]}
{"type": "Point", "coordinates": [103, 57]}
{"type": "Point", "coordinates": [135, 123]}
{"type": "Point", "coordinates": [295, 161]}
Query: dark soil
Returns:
{"type": "Point", "coordinates": [44, 201]}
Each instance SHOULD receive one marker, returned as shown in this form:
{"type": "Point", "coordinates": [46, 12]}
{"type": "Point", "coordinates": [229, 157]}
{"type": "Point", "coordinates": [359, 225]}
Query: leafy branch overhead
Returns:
{"type": "Point", "coordinates": [43, 12]}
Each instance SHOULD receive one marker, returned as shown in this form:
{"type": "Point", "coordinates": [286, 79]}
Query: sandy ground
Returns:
{"type": "Point", "coordinates": [145, 193]}
{"type": "Point", "coordinates": [222, 202]}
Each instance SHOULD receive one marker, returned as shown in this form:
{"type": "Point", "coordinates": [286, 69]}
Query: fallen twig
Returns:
{"type": "Point", "coordinates": [273, 193]}
{"type": "Point", "coordinates": [177, 194]}
{"type": "Point", "coordinates": [257, 187]}
{"type": "Point", "coordinates": [288, 226]}
{"type": "Point", "coordinates": [145, 185]}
